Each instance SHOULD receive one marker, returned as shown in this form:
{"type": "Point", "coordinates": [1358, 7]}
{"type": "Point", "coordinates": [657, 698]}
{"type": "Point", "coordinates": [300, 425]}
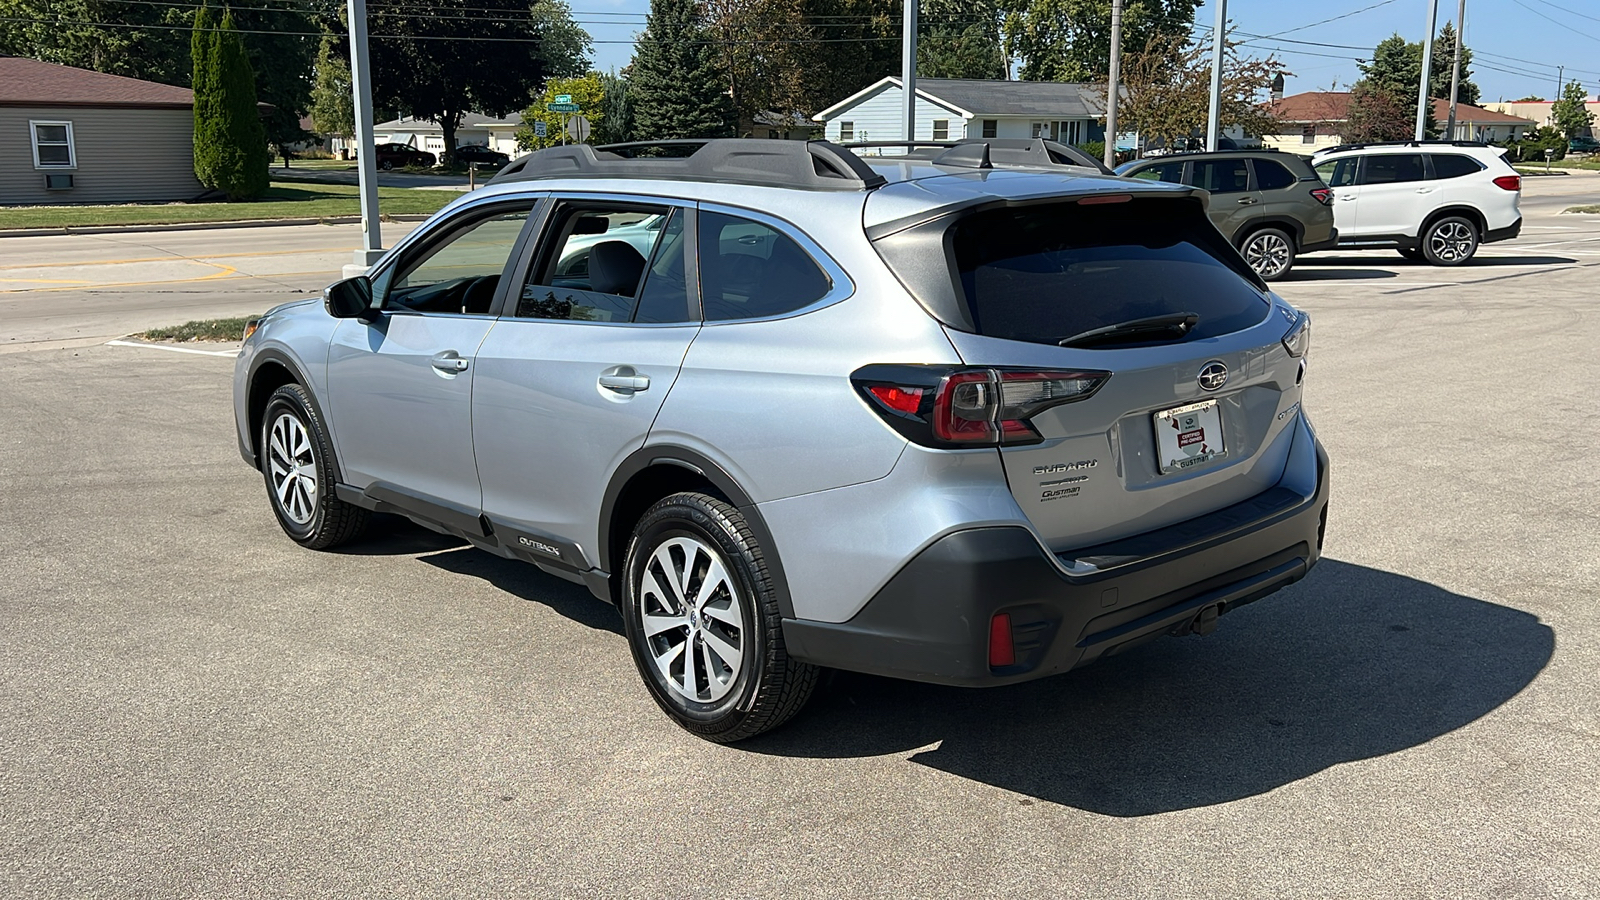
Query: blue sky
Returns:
{"type": "Point", "coordinates": [1517, 43]}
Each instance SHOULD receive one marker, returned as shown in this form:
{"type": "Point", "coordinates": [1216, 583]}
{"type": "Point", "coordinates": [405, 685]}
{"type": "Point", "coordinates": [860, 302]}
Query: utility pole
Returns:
{"type": "Point", "coordinates": [1427, 64]}
{"type": "Point", "coordinates": [1112, 85]}
{"type": "Point", "coordinates": [1455, 71]}
{"type": "Point", "coordinates": [908, 73]}
{"type": "Point", "coordinates": [1218, 47]}
{"type": "Point", "coordinates": [366, 164]}
{"type": "Point", "coordinates": [1561, 82]}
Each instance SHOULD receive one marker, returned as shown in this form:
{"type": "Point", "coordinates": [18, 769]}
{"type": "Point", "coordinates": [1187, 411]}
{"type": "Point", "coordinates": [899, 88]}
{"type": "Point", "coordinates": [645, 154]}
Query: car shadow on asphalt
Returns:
{"type": "Point", "coordinates": [1349, 664]}
{"type": "Point", "coordinates": [1310, 272]}
{"type": "Point", "coordinates": [525, 580]}
{"type": "Point", "coordinates": [390, 535]}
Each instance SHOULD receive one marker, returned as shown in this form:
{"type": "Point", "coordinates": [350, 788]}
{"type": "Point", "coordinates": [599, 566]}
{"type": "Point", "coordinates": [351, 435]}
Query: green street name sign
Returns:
{"type": "Point", "coordinates": [562, 98]}
{"type": "Point", "coordinates": [562, 107]}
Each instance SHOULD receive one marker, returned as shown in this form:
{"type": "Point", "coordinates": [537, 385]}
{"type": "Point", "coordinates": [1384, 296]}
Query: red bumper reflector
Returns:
{"type": "Point", "coordinates": [1001, 652]}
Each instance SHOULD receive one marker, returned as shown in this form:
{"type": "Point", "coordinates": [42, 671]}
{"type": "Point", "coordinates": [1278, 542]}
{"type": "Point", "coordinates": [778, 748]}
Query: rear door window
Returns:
{"type": "Point", "coordinates": [1392, 168]}
{"type": "Point", "coordinates": [1045, 273]}
{"type": "Point", "coordinates": [749, 270]}
{"type": "Point", "coordinates": [1272, 176]}
{"type": "Point", "coordinates": [594, 261]}
{"type": "Point", "coordinates": [1221, 176]}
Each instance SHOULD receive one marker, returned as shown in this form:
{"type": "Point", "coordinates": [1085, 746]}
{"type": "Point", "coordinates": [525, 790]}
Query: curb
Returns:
{"type": "Point", "coordinates": [198, 226]}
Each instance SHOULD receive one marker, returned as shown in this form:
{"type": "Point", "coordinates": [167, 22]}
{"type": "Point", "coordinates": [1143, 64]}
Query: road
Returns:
{"type": "Point", "coordinates": [191, 705]}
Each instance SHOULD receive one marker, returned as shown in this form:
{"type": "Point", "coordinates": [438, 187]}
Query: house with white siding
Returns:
{"type": "Point", "coordinates": [494, 132]}
{"type": "Point", "coordinates": [70, 135]}
{"type": "Point", "coordinates": [954, 109]}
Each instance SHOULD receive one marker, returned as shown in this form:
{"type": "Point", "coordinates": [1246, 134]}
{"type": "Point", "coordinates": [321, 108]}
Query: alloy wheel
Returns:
{"type": "Point", "coordinates": [1451, 241]}
{"type": "Point", "coordinates": [292, 465]}
{"type": "Point", "coordinates": [693, 619]}
{"type": "Point", "coordinates": [1268, 254]}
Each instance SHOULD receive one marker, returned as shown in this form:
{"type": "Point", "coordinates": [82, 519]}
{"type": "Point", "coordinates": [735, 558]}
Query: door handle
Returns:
{"type": "Point", "coordinates": [448, 361]}
{"type": "Point", "coordinates": [1247, 201]}
{"type": "Point", "coordinates": [624, 380]}
{"type": "Point", "coordinates": [1424, 190]}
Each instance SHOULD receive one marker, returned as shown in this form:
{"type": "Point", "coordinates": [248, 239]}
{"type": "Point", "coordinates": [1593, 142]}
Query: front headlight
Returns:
{"type": "Point", "coordinates": [1298, 340]}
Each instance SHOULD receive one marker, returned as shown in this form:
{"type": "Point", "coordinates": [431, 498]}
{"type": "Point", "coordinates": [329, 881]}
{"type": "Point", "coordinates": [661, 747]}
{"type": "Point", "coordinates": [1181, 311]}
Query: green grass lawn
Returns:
{"type": "Point", "coordinates": [205, 330]}
{"type": "Point", "coordinates": [1582, 209]}
{"type": "Point", "coordinates": [284, 200]}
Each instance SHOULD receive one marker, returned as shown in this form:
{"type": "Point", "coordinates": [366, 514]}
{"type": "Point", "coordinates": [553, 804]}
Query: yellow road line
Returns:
{"type": "Point", "coordinates": [123, 262]}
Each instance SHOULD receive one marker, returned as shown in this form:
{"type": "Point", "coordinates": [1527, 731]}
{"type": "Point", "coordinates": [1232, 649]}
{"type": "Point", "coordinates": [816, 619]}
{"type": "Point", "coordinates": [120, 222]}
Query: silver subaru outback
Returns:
{"type": "Point", "coordinates": [971, 416]}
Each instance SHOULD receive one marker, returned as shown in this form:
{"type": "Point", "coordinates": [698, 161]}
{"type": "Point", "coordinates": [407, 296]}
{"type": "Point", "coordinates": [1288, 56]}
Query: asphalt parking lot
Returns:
{"type": "Point", "coordinates": [191, 705]}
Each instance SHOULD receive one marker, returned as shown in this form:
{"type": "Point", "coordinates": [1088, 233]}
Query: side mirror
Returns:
{"type": "Point", "coordinates": [350, 299]}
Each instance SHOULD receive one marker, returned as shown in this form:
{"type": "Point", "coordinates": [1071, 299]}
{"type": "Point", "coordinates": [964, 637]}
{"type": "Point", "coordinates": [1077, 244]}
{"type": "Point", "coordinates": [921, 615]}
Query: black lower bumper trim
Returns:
{"type": "Point", "coordinates": [1503, 234]}
{"type": "Point", "coordinates": [931, 621]}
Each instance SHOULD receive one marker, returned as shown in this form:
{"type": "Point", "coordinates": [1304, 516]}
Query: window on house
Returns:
{"type": "Point", "coordinates": [847, 131]}
{"type": "Point", "coordinates": [1308, 134]}
{"type": "Point", "coordinates": [52, 145]}
{"type": "Point", "coordinates": [941, 129]}
{"type": "Point", "coordinates": [1041, 129]}
{"type": "Point", "coordinates": [991, 128]}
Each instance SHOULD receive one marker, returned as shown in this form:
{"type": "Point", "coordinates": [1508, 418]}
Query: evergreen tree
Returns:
{"type": "Point", "coordinates": [1571, 114]}
{"type": "Point", "coordinates": [203, 52]}
{"type": "Point", "coordinates": [333, 107]}
{"type": "Point", "coordinates": [616, 105]}
{"type": "Point", "coordinates": [959, 40]}
{"type": "Point", "coordinates": [677, 77]}
{"type": "Point", "coordinates": [1444, 50]}
{"type": "Point", "coordinates": [242, 141]}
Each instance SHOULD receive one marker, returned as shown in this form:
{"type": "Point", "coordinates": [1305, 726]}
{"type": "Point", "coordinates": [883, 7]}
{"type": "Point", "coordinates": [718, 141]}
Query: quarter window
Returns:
{"type": "Point", "coordinates": [751, 271]}
{"type": "Point", "coordinates": [941, 129]}
{"type": "Point", "coordinates": [1272, 176]}
{"type": "Point", "coordinates": [459, 274]}
{"type": "Point", "coordinates": [594, 263]}
{"type": "Point", "coordinates": [52, 145]}
{"type": "Point", "coordinates": [1393, 168]}
{"type": "Point", "coordinates": [1453, 166]}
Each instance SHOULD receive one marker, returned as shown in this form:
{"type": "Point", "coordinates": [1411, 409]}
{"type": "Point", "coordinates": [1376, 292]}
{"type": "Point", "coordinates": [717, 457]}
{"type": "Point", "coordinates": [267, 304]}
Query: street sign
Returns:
{"type": "Point", "coordinates": [562, 98]}
{"type": "Point", "coordinates": [578, 128]}
{"type": "Point", "coordinates": [562, 107]}
{"type": "Point", "coordinates": [540, 129]}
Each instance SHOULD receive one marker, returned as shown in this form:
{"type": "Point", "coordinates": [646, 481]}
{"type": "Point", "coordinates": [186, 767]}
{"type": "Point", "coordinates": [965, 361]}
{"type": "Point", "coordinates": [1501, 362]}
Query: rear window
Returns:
{"type": "Point", "coordinates": [1454, 166]}
{"type": "Point", "coordinates": [1271, 176]}
{"type": "Point", "coordinates": [1046, 273]}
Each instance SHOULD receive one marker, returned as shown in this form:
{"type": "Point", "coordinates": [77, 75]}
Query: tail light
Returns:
{"type": "Point", "coordinates": [1509, 182]}
{"type": "Point", "coordinates": [955, 406]}
{"type": "Point", "coordinates": [1323, 195]}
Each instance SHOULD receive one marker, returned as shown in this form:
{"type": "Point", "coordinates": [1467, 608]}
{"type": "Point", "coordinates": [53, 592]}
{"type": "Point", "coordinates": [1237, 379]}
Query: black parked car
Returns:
{"type": "Point", "coordinates": [393, 156]}
{"type": "Point", "coordinates": [483, 156]}
{"type": "Point", "coordinates": [1272, 206]}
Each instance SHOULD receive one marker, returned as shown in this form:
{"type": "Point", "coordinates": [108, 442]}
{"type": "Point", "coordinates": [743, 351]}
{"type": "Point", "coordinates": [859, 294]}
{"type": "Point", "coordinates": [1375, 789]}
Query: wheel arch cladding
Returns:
{"type": "Point", "coordinates": [271, 372]}
{"type": "Point", "coordinates": [1466, 212]}
{"type": "Point", "coordinates": [652, 473]}
{"type": "Point", "coordinates": [1288, 226]}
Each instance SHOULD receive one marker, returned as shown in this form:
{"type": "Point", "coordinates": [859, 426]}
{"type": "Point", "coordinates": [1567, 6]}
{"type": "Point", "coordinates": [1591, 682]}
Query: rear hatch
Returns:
{"type": "Point", "coordinates": [1194, 388]}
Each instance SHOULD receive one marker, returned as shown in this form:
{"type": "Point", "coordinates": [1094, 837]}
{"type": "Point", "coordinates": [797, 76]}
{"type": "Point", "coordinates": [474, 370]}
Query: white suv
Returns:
{"type": "Point", "coordinates": [1432, 200]}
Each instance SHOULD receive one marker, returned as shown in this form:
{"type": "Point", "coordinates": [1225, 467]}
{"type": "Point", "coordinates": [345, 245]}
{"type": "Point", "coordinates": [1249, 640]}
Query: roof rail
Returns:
{"type": "Point", "coordinates": [1424, 143]}
{"type": "Point", "coordinates": [998, 153]}
{"type": "Point", "coordinates": [814, 165]}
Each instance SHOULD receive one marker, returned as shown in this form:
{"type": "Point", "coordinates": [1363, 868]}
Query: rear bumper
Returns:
{"type": "Point", "coordinates": [931, 622]}
{"type": "Point", "coordinates": [1503, 234]}
{"type": "Point", "coordinates": [1331, 242]}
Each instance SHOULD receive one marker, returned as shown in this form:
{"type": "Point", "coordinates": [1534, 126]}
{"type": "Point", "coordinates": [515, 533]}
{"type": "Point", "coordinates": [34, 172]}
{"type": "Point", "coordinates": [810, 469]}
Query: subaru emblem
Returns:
{"type": "Point", "coordinates": [1213, 375]}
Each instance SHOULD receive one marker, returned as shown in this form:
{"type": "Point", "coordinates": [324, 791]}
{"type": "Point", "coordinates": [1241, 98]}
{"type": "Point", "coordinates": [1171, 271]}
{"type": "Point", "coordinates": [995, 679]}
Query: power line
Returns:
{"type": "Point", "coordinates": [1347, 15]}
{"type": "Point", "coordinates": [1557, 22]}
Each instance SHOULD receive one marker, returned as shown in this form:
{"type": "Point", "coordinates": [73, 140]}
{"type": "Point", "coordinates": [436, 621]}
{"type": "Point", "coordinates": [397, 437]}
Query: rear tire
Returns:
{"type": "Point", "coordinates": [1270, 252]}
{"type": "Point", "coordinates": [702, 620]}
{"type": "Point", "coordinates": [297, 463]}
{"type": "Point", "coordinates": [1450, 241]}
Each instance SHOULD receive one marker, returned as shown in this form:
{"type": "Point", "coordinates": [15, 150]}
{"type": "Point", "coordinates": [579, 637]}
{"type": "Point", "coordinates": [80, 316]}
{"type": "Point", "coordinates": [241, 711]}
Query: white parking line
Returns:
{"type": "Point", "coordinates": [120, 343]}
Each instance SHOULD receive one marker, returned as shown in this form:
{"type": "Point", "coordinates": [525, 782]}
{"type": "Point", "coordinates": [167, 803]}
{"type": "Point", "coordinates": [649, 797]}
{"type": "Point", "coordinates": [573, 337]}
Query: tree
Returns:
{"type": "Point", "coordinates": [451, 57]}
{"type": "Point", "coordinates": [677, 76]}
{"type": "Point", "coordinates": [1395, 71]}
{"type": "Point", "coordinates": [203, 78]}
{"type": "Point", "coordinates": [241, 160]}
{"type": "Point", "coordinates": [1570, 114]}
{"type": "Point", "coordinates": [1169, 89]}
{"type": "Point", "coordinates": [960, 40]}
{"type": "Point", "coordinates": [763, 46]}
{"type": "Point", "coordinates": [616, 111]}
{"type": "Point", "coordinates": [147, 41]}
{"type": "Point", "coordinates": [1443, 62]}
{"type": "Point", "coordinates": [1530, 99]}
{"type": "Point", "coordinates": [857, 43]}
{"type": "Point", "coordinates": [333, 108]}
{"type": "Point", "coordinates": [587, 92]}
{"type": "Point", "coordinates": [1070, 40]}
{"type": "Point", "coordinates": [1380, 113]}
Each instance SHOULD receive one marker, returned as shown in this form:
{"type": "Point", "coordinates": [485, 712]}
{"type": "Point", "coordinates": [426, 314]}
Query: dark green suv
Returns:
{"type": "Point", "coordinates": [1272, 206]}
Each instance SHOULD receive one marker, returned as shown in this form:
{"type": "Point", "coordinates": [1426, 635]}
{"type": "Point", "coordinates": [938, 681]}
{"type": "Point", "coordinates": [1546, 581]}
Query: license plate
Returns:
{"type": "Point", "coordinates": [1189, 436]}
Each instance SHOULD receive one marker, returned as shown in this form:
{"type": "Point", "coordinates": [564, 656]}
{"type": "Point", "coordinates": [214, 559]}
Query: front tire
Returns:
{"type": "Point", "coordinates": [1270, 252]}
{"type": "Point", "coordinates": [297, 463]}
{"type": "Point", "coordinates": [702, 620]}
{"type": "Point", "coordinates": [1450, 241]}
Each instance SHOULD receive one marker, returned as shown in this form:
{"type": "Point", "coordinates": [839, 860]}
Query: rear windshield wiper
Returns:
{"type": "Point", "coordinates": [1173, 326]}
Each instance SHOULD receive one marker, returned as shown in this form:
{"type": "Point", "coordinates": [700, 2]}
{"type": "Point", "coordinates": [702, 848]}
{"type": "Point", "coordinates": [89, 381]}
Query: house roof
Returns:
{"type": "Point", "coordinates": [976, 98]}
{"type": "Point", "coordinates": [470, 120]}
{"type": "Point", "coordinates": [29, 82]}
{"type": "Point", "coordinates": [1334, 106]}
